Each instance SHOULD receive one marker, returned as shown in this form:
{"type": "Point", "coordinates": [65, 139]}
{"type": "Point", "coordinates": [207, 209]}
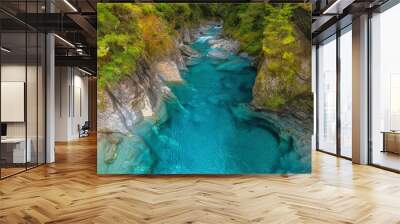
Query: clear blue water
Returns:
{"type": "Point", "coordinates": [202, 134]}
{"type": "Point", "coordinates": [207, 127]}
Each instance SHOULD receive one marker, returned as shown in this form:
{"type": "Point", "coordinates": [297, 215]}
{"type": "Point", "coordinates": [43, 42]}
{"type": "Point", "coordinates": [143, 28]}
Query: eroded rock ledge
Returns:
{"type": "Point", "coordinates": [135, 98]}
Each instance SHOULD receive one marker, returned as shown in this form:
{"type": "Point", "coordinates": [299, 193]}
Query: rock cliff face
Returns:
{"type": "Point", "coordinates": [292, 97]}
{"type": "Point", "coordinates": [276, 93]}
{"type": "Point", "coordinates": [134, 98]}
{"type": "Point", "coordinates": [168, 71]}
{"type": "Point", "coordinates": [138, 95]}
{"type": "Point", "coordinates": [128, 99]}
{"type": "Point", "coordinates": [287, 102]}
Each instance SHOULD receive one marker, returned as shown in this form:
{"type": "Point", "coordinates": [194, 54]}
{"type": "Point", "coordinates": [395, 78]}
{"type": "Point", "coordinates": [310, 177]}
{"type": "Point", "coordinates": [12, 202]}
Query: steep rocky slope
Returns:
{"type": "Point", "coordinates": [277, 38]}
{"type": "Point", "coordinates": [132, 99]}
{"type": "Point", "coordinates": [138, 95]}
{"type": "Point", "coordinates": [277, 91]}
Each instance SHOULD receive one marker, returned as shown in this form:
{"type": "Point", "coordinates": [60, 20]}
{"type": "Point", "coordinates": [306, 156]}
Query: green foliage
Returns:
{"type": "Point", "coordinates": [245, 22]}
{"type": "Point", "coordinates": [128, 32]}
{"type": "Point", "coordinates": [158, 42]}
{"type": "Point", "coordinates": [282, 49]}
{"type": "Point", "coordinates": [180, 15]}
{"type": "Point", "coordinates": [119, 42]}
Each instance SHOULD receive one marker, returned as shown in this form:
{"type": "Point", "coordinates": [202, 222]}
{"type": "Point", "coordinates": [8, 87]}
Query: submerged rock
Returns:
{"type": "Point", "coordinates": [110, 153]}
{"type": "Point", "coordinates": [225, 44]}
{"type": "Point", "coordinates": [247, 56]}
{"type": "Point", "coordinates": [244, 55]}
{"type": "Point", "coordinates": [218, 99]}
{"type": "Point", "coordinates": [193, 61]}
{"type": "Point", "coordinates": [234, 66]}
{"type": "Point", "coordinates": [294, 135]}
{"type": "Point", "coordinates": [188, 51]}
{"type": "Point", "coordinates": [217, 54]}
{"type": "Point", "coordinates": [167, 91]}
{"type": "Point", "coordinates": [130, 155]}
{"type": "Point", "coordinates": [168, 141]}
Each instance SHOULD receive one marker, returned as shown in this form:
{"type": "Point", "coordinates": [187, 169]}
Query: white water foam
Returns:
{"type": "Point", "coordinates": [204, 39]}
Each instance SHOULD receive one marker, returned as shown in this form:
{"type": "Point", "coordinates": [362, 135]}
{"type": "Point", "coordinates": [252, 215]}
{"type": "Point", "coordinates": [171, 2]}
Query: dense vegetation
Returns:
{"type": "Point", "coordinates": [266, 31]}
{"type": "Point", "coordinates": [119, 41]}
{"type": "Point", "coordinates": [248, 22]}
{"type": "Point", "coordinates": [286, 50]}
{"type": "Point", "coordinates": [129, 31]}
{"type": "Point", "coordinates": [278, 36]}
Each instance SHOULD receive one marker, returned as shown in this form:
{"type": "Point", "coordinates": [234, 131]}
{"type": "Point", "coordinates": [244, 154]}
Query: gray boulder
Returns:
{"type": "Point", "coordinates": [225, 44]}
{"type": "Point", "coordinates": [217, 54]}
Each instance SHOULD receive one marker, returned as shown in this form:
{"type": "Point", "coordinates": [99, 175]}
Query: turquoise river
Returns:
{"type": "Point", "coordinates": [208, 128]}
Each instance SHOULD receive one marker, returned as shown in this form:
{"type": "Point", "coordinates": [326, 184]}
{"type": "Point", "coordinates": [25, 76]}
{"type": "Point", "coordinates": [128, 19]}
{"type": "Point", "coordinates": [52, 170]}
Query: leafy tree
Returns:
{"type": "Point", "coordinates": [245, 22]}
{"type": "Point", "coordinates": [156, 38]}
{"type": "Point", "coordinates": [119, 40]}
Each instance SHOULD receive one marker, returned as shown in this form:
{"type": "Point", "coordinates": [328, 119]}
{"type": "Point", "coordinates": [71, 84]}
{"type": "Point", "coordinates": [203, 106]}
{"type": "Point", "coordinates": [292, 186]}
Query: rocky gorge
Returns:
{"type": "Point", "coordinates": [140, 114]}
